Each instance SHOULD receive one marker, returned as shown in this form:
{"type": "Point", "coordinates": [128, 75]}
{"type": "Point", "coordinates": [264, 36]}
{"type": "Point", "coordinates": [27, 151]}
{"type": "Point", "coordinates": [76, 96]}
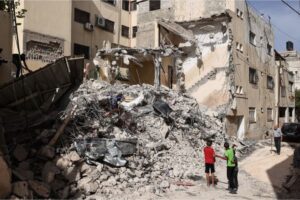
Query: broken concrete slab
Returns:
{"type": "Point", "coordinates": [5, 180]}
{"type": "Point", "coordinates": [21, 189]}
{"type": "Point", "coordinates": [47, 152]}
{"type": "Point", "coordinates": [40, 188]}
{"type": "Point", "coordinates": [20, 153]}
{"type": "Point", "coordinates": [49, 171]}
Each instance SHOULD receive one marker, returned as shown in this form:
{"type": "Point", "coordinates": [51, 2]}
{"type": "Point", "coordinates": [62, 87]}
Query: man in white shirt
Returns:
{"type": "Point", "coordinates": [277, 138]}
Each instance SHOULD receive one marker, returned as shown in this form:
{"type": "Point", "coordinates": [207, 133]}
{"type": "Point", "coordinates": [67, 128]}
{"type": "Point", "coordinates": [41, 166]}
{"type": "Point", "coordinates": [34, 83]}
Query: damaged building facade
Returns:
{"type": "Point", "coordinates": [76, 28]}
{"type": "Point", "coordinates": [228, 60]}
{"type": "Point", "coordinates": [285, 91]}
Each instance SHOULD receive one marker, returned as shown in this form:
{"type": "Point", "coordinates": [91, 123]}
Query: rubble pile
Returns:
{"type": "Point", "coordinates": [119, 139]}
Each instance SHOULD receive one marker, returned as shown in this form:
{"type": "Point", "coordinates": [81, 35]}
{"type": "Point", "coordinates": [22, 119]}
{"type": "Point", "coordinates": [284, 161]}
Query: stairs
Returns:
{"type": "Point", "coordinates": [209, 76]}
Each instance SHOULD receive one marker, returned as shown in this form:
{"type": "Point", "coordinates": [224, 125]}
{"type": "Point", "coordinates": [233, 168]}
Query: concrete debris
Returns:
{"type": "Point", "coordinates": [5, 180]}
{"type": "Point", "coordinates": [21, 189]}
{"type": "Point", "coordinates": [119, 139]}
{"type": "Point", "coordinates": [41, 189]}
{"type": "Point", "coordinates": [20, 153]}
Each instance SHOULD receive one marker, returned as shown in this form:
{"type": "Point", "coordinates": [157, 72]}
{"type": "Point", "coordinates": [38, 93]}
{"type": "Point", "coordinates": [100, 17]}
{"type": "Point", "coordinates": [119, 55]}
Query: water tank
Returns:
{"type": "Point", "coordinates": [289, 46]}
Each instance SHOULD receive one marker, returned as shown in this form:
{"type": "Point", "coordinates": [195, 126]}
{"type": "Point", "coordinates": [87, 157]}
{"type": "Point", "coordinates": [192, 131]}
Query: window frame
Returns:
{"type": "Point", "coordinates": [134, 31]}
{"type": "Point", "coordinates": [252, 109]}
{"type": "Point", "coordinates": [253, 79]}
{"type": "Point", "coordinates": [125, 31]}
{"type": "Point", "coordinates": [270, 78]}
{"type": "Point", "coordinates": [86, 55]}
{"type": "Point", "coordinates": [76, 17]}
{"type": "Point", "coordinates": [110, 2]}
{"type": "Point", "coordinates": [154, 5]}
{"type": "Point", "coordinates": [252, 38]}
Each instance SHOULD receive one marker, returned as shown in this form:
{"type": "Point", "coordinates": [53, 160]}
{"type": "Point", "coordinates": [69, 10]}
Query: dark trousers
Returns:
{"type": "Point", "coordinates": [230, 177]}
{"type": "Point", "coordinates": [277, 141]}
{"type": "Point", "coordinates": [235, 177]}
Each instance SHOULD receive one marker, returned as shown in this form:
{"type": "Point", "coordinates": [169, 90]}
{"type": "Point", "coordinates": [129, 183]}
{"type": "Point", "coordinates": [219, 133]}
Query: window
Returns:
{"type": "Point", "coordinates": [128, 5]}
{"type": "Point", "coordinates": [291, 86]}
{"type": "Point", "coordinates": [239, 90]}
{"type": "Point", "coordinates": [154, 5]}
{"type": "Point", "coordinates": [134, 30]}
{"type": "Point", "coordinates": [239, 13]}
{"type": "Point", "coordinates": [283, 91]}
{"type": "Point", "coordinates": [253, 77]}
{"type": "Point", "coordinates": [82, 50]}
{"type": "Point", "coordinates": [269, 49]}
{"type": "Point", "coordinates": [252, 38]}
{"type": "Point", "coordinates": [109, 25]}
{"type": "Point", "coordinates": [282, 111]}
{"type": "Point", "coordinates": [81, 16]}
{"type": "Point", "coordinates": [125, 31]}
{"type": "Point", "coordinates": [252, 115]}
{"type": "Point", "coordinates": [270, 82]}
{"type": "Point", "coordinates": [111, 2]}
{"type": "Point", "coordinates": [269, 114]}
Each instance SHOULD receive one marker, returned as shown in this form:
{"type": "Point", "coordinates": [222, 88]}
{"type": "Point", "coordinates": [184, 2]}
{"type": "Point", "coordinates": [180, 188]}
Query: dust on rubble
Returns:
{"type": "Point", "coordinates": [119, 140]}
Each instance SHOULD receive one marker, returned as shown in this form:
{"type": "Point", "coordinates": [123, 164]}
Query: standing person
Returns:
{"type": "Point", "coordinates": [277, 138]}
{"type": "Point", "coordinates": [236, 168]}
{"type": "Point", "coordinates": [209, 157]}
{"type": "Point", "coordinates": [229, 157]}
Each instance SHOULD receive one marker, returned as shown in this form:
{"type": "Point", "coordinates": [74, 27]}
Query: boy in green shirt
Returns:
{"type": "Point", "coordinates": [229, 157]}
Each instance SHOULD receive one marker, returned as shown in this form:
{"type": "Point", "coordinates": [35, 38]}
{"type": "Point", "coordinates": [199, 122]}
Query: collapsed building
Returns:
{"type": "Point", "coordinates": [227, 61]}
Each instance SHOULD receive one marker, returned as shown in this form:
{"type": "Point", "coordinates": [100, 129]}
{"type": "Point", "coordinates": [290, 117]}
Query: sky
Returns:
{"type": "Point", "coordinates": [285, 22]}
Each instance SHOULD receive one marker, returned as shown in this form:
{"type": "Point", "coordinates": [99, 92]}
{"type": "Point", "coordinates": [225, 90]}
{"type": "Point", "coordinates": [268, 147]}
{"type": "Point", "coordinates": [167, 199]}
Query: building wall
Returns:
{"type": "Point", "coordinates": [6, 46]}
{"type": "Point", "coordinates": [42, 27]}
{"type": "Point", "coordinates": [285, 100]}
{"type": "Point", "coordinates": [245, 55]}
{"type": "Point", "coordinates": [293, 60]}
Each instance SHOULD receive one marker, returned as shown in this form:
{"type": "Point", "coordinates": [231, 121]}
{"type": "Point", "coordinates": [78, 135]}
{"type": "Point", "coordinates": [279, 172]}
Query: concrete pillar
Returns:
{"type": "Point", "coordinates": [294, 115]}
{"type": "Point", "coordinates": [286, 118]}
{"type": "Point", "coordinates": [156, 71]}
{"type": "Point", "coordinates": [180, 77]}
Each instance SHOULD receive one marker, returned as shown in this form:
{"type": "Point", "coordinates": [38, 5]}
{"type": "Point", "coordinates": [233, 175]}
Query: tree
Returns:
{"type": "Point", "coordinates": [5, 6]}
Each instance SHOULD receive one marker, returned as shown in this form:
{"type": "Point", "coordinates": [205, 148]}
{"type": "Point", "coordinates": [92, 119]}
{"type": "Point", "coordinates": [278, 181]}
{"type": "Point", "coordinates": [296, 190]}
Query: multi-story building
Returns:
{"type": "Point", "coordinates": [285, 91]}
{"type": "Point", "coordinates": [228, 60]}
{"type": "Point", "coordinates": [292, 57]}
{"type": "Point", "coordinates": [51, 29]}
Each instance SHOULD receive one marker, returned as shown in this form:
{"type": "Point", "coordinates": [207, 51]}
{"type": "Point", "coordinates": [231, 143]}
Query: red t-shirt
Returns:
{"type": "Point", "coordinates": [209, 154]}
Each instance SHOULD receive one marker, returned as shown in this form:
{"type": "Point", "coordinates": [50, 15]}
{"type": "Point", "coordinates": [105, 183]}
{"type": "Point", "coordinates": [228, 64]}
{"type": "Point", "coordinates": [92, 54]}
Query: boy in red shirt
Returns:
{"type": "Point", "coordinates": [209, 156]}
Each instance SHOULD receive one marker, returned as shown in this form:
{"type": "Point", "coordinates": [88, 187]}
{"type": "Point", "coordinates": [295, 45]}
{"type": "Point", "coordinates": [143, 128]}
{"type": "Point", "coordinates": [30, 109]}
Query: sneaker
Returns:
{"type": "Point", "coordinates": [232, 191]}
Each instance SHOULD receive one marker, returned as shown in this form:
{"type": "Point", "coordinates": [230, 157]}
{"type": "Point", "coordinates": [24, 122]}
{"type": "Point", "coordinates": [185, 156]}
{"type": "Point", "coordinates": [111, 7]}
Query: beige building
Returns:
{"type": "Point", "coordinates": [292, 57]}
{"type": "Point", "coordinates": [52, 29]}
{"type": "Point", "coordinates": [228, 61]}
{"type": "Point", "coordinates": [285, 91]}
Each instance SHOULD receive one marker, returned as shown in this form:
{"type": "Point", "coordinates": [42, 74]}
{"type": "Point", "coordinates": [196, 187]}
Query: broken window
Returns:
{"type": "Point", "coordinates": [109, 26]}
{"type": "Point", "coordinates": [270, 82]}
{"type": "Point", "coordinates": [253, 76]}
{"type": "Point", "coordinates": [252, 115]}
{"type": "Point", "coordinates": [134, 30]}
{"type": "Point", "coordinates": [154, 5]}
{"type": "Point", "coordinates": [125, 31]}
{"type": "Point", "coordinates": [80, 50]}
{"type": "Point", "coordinates": [270, 114]}
{"type": "Point", "coordinates": [269, 49]}
{"type": "Point", "coordinates": [111, 2]}
{"type": "Point", "coordinates": [81, 16]}
{"type": "Point", "coordinates": [283, 91]}
{"type": "Point", "coordinates": [291, 86]}
{"type": "Point", "coordinates": [252, 37]}
{"type": "Point", "coordinates": [282, 111]}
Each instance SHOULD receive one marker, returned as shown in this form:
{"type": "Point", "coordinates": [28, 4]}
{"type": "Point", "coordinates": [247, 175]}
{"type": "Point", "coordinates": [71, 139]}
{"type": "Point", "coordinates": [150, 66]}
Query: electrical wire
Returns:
{"type": "Point", "coordinates": [291, 7]}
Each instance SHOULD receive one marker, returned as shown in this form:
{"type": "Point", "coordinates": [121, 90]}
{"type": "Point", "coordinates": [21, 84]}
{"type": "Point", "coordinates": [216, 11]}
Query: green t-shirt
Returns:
{"type": "Point", "coordinates": [230, 157]}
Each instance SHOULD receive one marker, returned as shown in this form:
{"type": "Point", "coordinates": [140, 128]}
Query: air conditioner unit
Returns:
{"type": "Point", "coordinates": [100, 21]}
{"type": "Point", "coordinates": [88, 26]}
